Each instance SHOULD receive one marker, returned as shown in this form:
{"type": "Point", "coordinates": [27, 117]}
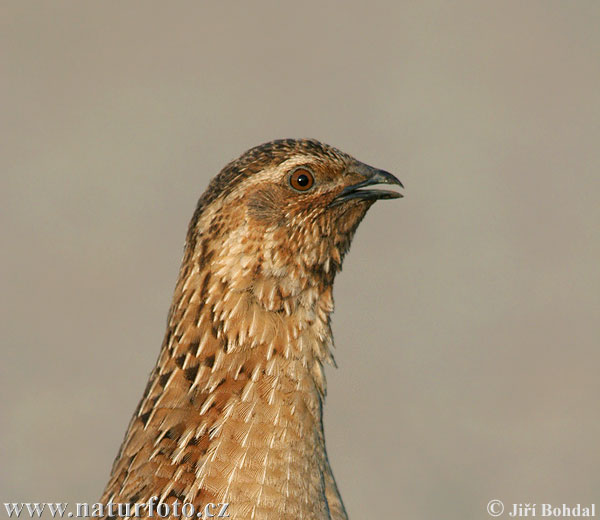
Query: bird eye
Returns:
{"type": "Point", "coordinates": [301, 179]}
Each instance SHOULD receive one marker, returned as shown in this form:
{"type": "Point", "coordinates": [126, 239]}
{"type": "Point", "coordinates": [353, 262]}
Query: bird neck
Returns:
{"type": "Point", "coordinates": [233, 409]}
{"type": "Point", "coordinates": [233, 306]}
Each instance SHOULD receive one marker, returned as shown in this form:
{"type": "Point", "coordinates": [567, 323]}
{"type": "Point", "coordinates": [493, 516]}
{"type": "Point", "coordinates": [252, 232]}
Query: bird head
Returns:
{"type": "Point", "coordinates": [287, 208]}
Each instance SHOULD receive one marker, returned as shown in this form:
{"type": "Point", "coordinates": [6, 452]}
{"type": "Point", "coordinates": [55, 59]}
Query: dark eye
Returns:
{"type": "Point", "coordinates": [301, 179]}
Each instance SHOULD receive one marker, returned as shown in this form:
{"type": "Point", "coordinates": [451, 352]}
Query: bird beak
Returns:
{"type": "Point", "coordinates": [371, 176]}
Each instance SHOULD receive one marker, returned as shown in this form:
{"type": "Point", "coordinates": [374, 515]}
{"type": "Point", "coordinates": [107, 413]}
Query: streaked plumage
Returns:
{"type": "Point", "coordinates": [233, 409]}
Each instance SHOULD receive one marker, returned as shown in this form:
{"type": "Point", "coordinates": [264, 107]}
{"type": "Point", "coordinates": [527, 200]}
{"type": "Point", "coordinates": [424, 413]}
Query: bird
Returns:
{"type": "Point", "coordinates": [233, 410]}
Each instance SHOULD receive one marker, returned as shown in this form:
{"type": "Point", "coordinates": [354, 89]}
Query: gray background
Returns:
{"type": "Point", "coordinates": [467, 318]}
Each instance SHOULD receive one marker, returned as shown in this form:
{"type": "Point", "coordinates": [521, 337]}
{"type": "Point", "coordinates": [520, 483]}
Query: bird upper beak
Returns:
{"type": "Point", "coordinates": [371, 176]}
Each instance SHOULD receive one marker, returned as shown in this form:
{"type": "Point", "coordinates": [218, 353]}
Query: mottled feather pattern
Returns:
{"type": "Point", "coordinates": [233, 409]}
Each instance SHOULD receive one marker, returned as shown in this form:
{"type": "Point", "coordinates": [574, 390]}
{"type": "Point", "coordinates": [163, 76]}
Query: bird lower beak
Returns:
{"type": "Point", "coordinates": [372, 176]}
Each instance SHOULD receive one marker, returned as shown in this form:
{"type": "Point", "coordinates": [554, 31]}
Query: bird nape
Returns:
{"type": "Point", "coordinates": [232, 412]}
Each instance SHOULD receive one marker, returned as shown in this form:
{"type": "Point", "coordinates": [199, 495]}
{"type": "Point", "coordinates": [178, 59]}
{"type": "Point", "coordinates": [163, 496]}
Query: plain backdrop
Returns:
{"type": "Point", "coordinates": [467, 322]}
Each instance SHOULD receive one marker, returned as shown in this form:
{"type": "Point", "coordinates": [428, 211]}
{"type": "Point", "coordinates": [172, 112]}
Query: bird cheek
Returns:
{"type": "Point", "coordinates": [265, 206]}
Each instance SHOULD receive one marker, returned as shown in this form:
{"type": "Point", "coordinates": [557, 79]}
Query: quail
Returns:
{"type": "Point", "coordinates": [233, 410]}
